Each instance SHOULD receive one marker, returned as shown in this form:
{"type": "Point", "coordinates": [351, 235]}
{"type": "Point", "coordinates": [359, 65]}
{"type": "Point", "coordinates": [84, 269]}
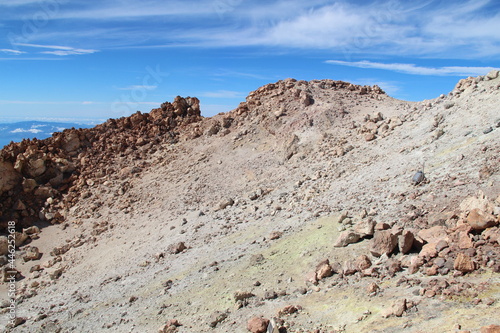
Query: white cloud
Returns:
{"type": "Point", "coordinates": [223, 94]}
{"type": "Point", "coordinates": [30, 130]}
{"type": "Point", "coordinates": [139, 87]}
{"type": "Point", "coordinates": [464, 29]}
{"type": "Point", "coordinates": [70, 52]}
{"type": "Point", "coordinates": [59, 50]}
{"type": "Point", "coordinates": [10, 51]}
{"type": "Point", "coordinates": [414, 69]}
{"type": "Point", "coordinates": [15, 3]}
{"type": "Point", "coordinates": [47, 102]}
{"type": "Point", "coordinates": [133, 9]}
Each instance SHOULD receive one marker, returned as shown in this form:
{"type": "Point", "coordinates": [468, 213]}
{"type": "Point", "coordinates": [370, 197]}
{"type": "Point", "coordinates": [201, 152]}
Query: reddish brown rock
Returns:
{"type": "Point", "coordinates": [464, 240]}
{"type": "Point", "coordinates": [257, 325]}
{"type": "Point", "coordinates": [363, 262]}
{"type": "Point", "coordinates": [311, 277]}
{"type": "Point", "coordinates": [397, 309]}
{"type": "Point", "coordinates": [349, 267]}
{"type": "Point", "coordinates": [176, 248]}
{"type": "Point", "coordinates": [490, 329]}
{"type": "Point", "coordinates": [383, 242]}
{"type": "Point", "coordinates": [32, 253]}
{"type": "Point", "coordinates": [324, 270]}
{"type": "Point", "coordinates": [433, 235]}
{"type": "Point", "coordinates": [382, 226]}
{"type": "Point", "coordinates": [370, 137]}
{"type": "Point", "coordinates": [372, 288]}
{"type": "Point", "coordinates": [480, 220]}
{"type": "Point", "coordinates": [405, 241]}
{"type": "Point", "coordinates": [275, 235]}
{"type": "Point", "coordinates": [365, 228]}
{"type": "Point", "coordinates": [289, 309]}
{"type": "Point", "coordinates": [492, 235]}
{"type": "Point", "coordinates": [347, 237]}
{"type": "Point", "coordinates": [464, 263]}
{"type": "Point", "coordinates": [428, 251]}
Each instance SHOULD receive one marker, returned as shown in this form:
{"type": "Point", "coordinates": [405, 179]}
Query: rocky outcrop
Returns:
{"type": "Point", "coordinates": [40, 179]}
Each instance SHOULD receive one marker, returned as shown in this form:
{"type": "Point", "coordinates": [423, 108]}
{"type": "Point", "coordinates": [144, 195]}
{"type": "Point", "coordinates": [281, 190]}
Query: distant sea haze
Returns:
{"type": "Point", "coordinates": [33, 129]}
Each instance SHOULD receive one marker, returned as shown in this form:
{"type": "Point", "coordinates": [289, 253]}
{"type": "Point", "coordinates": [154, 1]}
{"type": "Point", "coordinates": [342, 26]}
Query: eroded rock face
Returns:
{"type": "Point", "coordinates": [53, 173]}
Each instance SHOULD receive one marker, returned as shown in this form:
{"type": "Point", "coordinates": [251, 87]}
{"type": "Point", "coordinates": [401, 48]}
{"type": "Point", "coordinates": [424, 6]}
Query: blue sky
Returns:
{"type": "Point", "coordinates": [99, 59]}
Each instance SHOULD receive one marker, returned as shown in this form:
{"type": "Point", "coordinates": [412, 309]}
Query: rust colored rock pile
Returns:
{"type": "Point", "coordinates": [40, 178]}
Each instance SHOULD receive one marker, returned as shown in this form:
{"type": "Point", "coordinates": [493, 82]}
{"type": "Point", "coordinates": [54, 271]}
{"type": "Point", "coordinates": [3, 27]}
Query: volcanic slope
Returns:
{"type": "Point", "coordinates": [299, 205]}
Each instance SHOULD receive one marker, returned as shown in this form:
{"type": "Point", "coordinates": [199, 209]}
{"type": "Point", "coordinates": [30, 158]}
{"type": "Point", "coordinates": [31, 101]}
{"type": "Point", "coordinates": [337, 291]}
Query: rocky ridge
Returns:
{"type": "Point", "coordinates": [271, 214]}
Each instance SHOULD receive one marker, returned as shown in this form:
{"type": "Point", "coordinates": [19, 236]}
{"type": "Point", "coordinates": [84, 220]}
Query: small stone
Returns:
{"type": "Point", "coordinates": [32, 230]}
{"type": "Point", "coordinates": [370, 137]}
{"type": "Point", "coordinates": [349, 267]}
{"type": "Point", "coordinates": [270, 295]}
{"type": "Point", "coordinates": [347, 237]}
{"type": "Point", "coordinates": [493, 74]}
{"type": "Point", "coordinates": [223, 204]}
{"type": "Point", "coordinates": [488, 130]}
{"type": "Point", "coordinates": [289, 309]}
{"type": "Point", "coordinates": [55, 274]}
{"type": "Point", "coordinates": [258, 325]}
{"type": "Point", "coordinates": [431, 271]}
{"type": "Point", "coordinates": [32, 253]}
{"type": "Point", "coordinates": [372, 288]}
{"type": "Point", "coordinates": [324, 269]}
{"type": "Point", "coordinates": [311, 277]}
{"type": "Point", "coordinates": [463, 263]}
{"type": "Point", "coordinates": [363, 262]}
{"type": "Point", "coordinates": [216, 318]}
{"type": "Point", "coordinates": [176, 248]}
{"type": "Point", "coordinates": [382, 226]}
{"type": "Point", "coordinates": [383, 242]}
{"type": "Point", "coordinates": [397, 309]}
{"type": "Point", "coordinates": [405, 241]}
{"type": "Point", "coordinates": [20, 238]}
{"type": "Point", "coordinates": [433, 235]}
{"type": "Point", "coordinates": [17, 322]}
{"type": "Point", "coordinates": [489, 301]}
{"type": "Point", "coordinates": [242, 295]}
{"type": "Point", "coordinates": [365, 228]}
{"type": "Point", "coordinates": [464, 241]}
{"type": "Point", "coordinates": [275, 235]}
{"type": "Point", "coordinates": [428, 251]}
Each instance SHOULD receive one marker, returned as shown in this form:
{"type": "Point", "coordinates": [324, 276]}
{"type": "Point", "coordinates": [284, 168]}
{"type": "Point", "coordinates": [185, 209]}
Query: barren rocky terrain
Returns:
{"type": "Point", "coordinates": [300, 211]}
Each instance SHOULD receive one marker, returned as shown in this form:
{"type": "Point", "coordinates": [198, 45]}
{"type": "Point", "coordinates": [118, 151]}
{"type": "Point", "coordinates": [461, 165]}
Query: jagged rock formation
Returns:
{"type": "Point", "coordinates": [41, 179]}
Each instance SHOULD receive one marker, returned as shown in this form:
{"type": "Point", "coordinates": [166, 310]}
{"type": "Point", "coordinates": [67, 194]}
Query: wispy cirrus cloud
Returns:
{"type": "Point", "coordinates": [139, 87]}
{"type": "Point", "coordinates": [15, 3]}
{"type": "Point", "coordinates": [223, 94]}
{"type": "Point", "coordinates": [12, 52]}
{"type": "Point", "coordinates": [414, 69]}
{"type": "Point", "coordinates": [466, 29]}
{"type": "Point", "coordinates": [48, 102]}
{"type": "Point", "coordinates": [59, 50]}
